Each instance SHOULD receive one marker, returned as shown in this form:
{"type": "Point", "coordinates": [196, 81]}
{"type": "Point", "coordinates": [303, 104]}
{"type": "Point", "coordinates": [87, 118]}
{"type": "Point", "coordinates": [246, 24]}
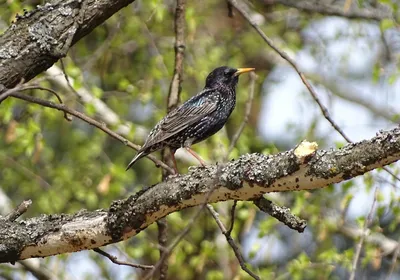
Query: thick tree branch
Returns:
{"type": "Point", "coordinates": [246, 178]}
{"type": "Point", "coordinates": [37, 39]}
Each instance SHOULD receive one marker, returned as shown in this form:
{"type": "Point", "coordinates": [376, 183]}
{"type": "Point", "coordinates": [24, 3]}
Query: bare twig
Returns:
{"type": "Point", "coordinates": [281, 213]}
{"type": "Point", "coordinates": [286, 57]}
{"type": "Point", "coordinates": [336, 10]}
{"type": "Point", "coordinates": [362, 237]}
{"type": "Point", "coordinates": [101, 126]}
{"type": "Point", "coordinates": [19, 210]}
{"type": "Point", "coordinates": [67, 78]}
{"type": "Point", "coordinates": [249, 102]}
{"type": "Point", "coordinates": [28, 86]}
{"type": "Point", "coordinates": [7, 92]}
{"type": "Point", "coordinates": [391, 173]}
{"type": "Point", "coordinates": [231, 242]}
{"type": "Point", "coordinates": [175, 87]}
{"type": "Point", "coordinates": [233, 209]}
{"type": "Point", "coordinates": [105, 113]}
{"type": "Point", "coordinates": [68, 118]}
{"type": "Point", "coordinates": [115, 260]}
{"type": "Point", "coordinates": [337, 88]}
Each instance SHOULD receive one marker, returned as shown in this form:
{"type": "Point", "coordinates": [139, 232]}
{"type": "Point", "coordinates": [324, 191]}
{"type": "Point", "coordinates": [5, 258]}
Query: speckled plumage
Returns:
{"type": "Point", "coordinates": [199, 117]}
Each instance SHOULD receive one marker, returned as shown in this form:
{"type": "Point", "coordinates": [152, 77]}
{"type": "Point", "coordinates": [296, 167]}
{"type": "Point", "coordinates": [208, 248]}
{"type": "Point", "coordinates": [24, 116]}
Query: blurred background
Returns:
{"type": "Point", "coordinates": [120, 74]}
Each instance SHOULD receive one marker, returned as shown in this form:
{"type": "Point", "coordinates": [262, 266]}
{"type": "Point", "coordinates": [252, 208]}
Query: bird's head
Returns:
{"type": "Point", "coordinates": [225, 76]}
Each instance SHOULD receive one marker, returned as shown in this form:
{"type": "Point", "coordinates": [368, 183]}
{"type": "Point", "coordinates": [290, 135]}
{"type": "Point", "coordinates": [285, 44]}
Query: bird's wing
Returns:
{"type": "Point", "coordinates": [177, 120]}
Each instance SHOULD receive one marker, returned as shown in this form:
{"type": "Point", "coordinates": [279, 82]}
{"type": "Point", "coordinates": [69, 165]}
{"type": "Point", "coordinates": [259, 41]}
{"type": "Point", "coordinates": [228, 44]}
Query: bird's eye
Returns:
{"type": "Point", "coordinates": [227, 72]}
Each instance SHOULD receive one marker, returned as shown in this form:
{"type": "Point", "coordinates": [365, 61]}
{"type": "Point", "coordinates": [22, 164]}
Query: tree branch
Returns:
{"type": "Point", "coordinates": [115, 260]}
{"type": "Point", "coordinates": [101, 126]}
{"type": "Point", "coordinates": [242, 8]}
{"type": "Point", "coordinates": [19, 210]}
{"type": "Point", "coordinates": [342, 90]}
{"type": "Point", "coordinates": [320, 7]}
{"type": "Point", "coordinates": [281, 213]}
{"type": "Point", "coordinates": [232, 243]}
{"type": "Point", "coordinates": [246, 178]}
{"type": "Point", "coordinates": [37, 39]}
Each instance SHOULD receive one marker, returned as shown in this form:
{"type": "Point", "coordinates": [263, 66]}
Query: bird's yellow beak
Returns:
{"type": "Point", "coordinates": [243, 70]}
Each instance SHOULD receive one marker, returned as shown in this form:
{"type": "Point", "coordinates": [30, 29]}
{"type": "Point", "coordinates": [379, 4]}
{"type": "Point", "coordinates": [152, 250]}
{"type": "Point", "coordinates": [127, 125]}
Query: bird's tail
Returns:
{"type": "Point", "coordinates": [138, 156]}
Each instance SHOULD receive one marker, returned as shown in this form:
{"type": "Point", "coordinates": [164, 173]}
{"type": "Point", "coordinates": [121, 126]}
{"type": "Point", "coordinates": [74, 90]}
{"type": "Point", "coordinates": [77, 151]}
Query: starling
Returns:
{"type": "Point", "coordinates": [198, 118]}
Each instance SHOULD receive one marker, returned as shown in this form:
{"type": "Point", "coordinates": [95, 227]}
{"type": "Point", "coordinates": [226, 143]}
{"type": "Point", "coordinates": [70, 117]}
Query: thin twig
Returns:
{"type": "Point", "coordinates": [101, 126]}
{"type": "Point", "coordinates": [348, 94]}
{"type": "Point", "coordinates": [231, 242]}
{"type": "Point", "coordinates": [249, 102]}
{"type": "Point", "coordinates": [336, 10]}
{"type": "Point", "coordinates": [28, 86]}
{"type": "Point", "coordinates": [68, 118]}
{"type": "Point", "coordinates": [233, 209]}
{"type": "Point", "coordinates": [67, 78]}
{"type": "Point", "coordinates": [8, 92]}
{"type": "Point", "coordinates": [115, 260]}
{"type": "Point", "coordinates": [286, 57]}
{"type": "Point", "coordinates": [176, 82]}
{"type": "Point", "coordinates": [362, 237]}
{"type": "Point", "coordinates": [19, 210]}
{"type": "Point", "coordinates": [391, 173]}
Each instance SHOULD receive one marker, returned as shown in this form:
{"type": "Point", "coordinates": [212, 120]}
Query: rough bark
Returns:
{"type": "Point", "coordinates": [37, 39]}
{"type": "Point", "coordinates": [243, 179]}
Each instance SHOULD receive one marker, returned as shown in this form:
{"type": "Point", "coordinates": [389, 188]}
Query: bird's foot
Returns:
{"type": "Point", "coordinates": [193, 153]}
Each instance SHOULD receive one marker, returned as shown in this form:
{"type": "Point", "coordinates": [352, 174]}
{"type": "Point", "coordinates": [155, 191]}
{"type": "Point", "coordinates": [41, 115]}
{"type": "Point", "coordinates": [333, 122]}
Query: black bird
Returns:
{"type": "Point", "coordinates": [198, 118]}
